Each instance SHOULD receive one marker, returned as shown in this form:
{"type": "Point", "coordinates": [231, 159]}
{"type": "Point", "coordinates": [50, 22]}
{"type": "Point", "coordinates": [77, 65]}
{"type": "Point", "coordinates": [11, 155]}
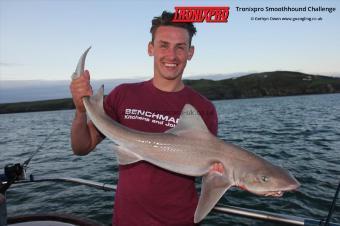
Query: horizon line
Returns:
{"type": "Point", "coordinates": [236, 74]}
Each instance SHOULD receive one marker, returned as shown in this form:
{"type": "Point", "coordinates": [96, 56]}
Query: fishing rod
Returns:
{"type": "Point", "coordinates": [25, 165]}
{"type": "Point", "coordinates": [332, 208]}
{"type": "Point", "coordinates": [14, 172]}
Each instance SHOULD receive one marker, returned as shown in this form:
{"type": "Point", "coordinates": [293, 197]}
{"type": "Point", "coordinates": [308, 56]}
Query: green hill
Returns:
{"type": "Point", "coordinates": [44, 105]}
{"type": "Point", "coordinates": [277, 83]}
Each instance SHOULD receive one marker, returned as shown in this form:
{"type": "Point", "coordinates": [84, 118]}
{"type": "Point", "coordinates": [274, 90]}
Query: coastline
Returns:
{"type": "Point", "coordinates": [266, 84]}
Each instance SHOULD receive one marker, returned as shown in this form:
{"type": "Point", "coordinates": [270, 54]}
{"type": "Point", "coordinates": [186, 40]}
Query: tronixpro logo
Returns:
{"type": "Point", "coordinates": [212, 14]}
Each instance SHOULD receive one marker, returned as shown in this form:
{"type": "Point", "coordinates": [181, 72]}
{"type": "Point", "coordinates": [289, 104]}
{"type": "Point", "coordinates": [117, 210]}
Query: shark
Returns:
{"type": "Point", "coordinates": [190, 149]}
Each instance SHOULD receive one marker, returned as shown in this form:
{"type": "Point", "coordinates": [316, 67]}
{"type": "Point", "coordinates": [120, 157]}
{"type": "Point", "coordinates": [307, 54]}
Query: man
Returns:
{"type": "Point", "coordinates": [146, 194]}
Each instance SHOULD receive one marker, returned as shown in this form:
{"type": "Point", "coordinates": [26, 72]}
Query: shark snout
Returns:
{"type": "Point", "coordinates": [293, 186]}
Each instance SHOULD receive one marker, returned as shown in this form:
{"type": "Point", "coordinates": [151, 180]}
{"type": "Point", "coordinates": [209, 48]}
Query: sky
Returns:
{"type": "Point", "coordinates": [43, 39]}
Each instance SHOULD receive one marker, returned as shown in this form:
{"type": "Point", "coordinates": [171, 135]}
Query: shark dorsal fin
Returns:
{"type": "Point", "coordinates": [190, 123]}
{"type": "Point", "coordinates": [95, 102]}
{"type": "Point", "coordinates": [99, 97]}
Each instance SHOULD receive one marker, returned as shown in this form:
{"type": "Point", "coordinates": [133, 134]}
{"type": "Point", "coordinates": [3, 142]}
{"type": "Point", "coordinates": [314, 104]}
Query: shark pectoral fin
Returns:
{"type": "Point", "coordinates": [126, 157]}
{"type": "Point", "coordinates": [214, 185]}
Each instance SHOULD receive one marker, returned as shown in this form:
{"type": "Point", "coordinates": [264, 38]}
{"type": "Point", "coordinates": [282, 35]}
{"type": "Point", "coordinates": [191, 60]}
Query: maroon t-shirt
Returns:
{"type": "Point", "coordinates": [146, 194]}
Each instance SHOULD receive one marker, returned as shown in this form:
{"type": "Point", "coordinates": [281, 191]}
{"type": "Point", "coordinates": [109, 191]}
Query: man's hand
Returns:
{"type": "Point", "coordinates": [80, 88]}
{"type": "Point", "coordinates": [218, 167]}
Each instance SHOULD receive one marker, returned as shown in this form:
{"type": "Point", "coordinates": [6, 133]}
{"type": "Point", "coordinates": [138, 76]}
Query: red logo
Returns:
{"type": "Point", "coordinates": [212, 14]}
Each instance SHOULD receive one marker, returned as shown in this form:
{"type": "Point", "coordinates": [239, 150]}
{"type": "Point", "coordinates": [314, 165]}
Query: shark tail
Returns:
{"type": "Point", "coordinates": [80, 66]}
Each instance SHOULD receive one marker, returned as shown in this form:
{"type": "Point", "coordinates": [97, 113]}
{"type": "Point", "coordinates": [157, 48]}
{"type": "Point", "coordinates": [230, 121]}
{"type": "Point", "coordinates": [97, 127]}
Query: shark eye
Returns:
{"type": "Point", "coordinates": [265, 178]}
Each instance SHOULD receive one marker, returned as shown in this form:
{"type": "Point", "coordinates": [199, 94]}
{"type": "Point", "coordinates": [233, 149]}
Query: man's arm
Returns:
{"type": "Point", "coordinates": [84, 135]}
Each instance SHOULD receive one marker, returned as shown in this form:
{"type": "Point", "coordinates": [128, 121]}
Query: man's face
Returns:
{"type": "Point", "coordinates": [171, 50]}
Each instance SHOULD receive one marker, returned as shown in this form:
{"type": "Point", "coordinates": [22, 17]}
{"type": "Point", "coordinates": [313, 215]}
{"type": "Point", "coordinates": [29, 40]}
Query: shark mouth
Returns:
{"type": "Point", "coordinates": [264, 193]}
{"type": "Point", "coordinates": [280, 192]}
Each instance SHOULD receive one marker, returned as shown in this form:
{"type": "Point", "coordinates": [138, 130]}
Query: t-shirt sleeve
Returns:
{"type": "Point", "coordinates": [213, 120]}
{"type": "Point", "coordinates": [111, 104]}
{"type": "Point", "coordinates": [209, 116]}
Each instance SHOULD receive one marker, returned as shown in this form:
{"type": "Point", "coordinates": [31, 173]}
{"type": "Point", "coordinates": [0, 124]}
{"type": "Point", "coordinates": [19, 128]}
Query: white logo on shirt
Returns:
{"type": "Point", "coordinates": [148, 116]}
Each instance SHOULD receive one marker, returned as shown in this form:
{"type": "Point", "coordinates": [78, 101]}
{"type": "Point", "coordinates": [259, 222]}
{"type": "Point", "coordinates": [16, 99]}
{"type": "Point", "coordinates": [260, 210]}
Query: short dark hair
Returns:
{"type": "Point", "coordinates": [166, 20]}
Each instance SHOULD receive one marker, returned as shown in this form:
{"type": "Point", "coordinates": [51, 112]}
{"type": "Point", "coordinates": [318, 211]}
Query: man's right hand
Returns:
{"type": "Point", "coordinates": [80, 88]}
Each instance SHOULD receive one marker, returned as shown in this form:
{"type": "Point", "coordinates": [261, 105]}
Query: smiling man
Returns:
{"type": "Point", "coordinates": [146, 194]}
{"type": "Point", "coordinates": [171, 49]}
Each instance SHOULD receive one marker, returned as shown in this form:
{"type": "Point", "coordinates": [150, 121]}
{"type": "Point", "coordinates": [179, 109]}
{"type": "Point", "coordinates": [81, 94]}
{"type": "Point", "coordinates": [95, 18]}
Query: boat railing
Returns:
{"type": "Point", "coordinates": [225, 209]}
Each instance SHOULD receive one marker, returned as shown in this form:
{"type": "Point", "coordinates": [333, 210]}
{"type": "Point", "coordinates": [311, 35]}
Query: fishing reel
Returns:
{"type": "Point", "coordinates": [12, 173]}
{"type": "Point", "coordinates": [16, 171]}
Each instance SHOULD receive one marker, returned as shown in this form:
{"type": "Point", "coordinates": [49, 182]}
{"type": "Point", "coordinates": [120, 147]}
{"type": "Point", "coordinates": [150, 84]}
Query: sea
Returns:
{"type": "Point", "coordinates": [299, 133]}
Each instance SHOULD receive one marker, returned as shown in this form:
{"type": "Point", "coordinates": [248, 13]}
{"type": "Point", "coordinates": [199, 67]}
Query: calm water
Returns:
{"type": "Point", "coordinates": [302, 134]}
